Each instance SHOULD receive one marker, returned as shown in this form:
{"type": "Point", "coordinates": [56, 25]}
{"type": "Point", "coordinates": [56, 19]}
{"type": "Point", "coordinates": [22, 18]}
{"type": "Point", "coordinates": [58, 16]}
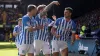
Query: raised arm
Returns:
{"type": "Point", "coordinates": [47, 8]}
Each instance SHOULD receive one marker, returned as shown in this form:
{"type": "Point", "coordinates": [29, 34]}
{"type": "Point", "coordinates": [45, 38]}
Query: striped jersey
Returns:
{"type": "Point", "coordinates": [26, 36]}
{"type": "Point", "coordinates": [34, 24]}
{"type": "Point", "coordinates": [42, 34]}
{"type": "Point", "coordinates": [17, 29]}
{"type": "Point", "coordinates": [64, 28]}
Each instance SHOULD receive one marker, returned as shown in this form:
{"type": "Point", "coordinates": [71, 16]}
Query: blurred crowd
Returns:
{"type": "Point", "coordinates": [91, 20]}
{"type": "Point", "coordinates": [8, 19]}
{"type": "Point", "coordinates": [9, 15]}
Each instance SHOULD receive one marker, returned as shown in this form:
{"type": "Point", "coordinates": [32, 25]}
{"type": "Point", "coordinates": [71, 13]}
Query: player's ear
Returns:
{"type": "Point", "coordinates": [70, 13]}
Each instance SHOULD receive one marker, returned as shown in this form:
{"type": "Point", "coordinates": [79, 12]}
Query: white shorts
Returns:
{"type": "Point", "coordinates": [17, 45]}
{"type": "Point", "coordinates": [58, 46]}
{"type": "Point", "coordinates": [41, 45]}
{"type": "Point", "coordinates": [26, 48]}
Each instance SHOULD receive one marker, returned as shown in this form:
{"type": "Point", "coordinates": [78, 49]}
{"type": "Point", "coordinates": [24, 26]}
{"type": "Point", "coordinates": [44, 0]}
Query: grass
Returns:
{"type": "Point", "coordinates": [8, 49]}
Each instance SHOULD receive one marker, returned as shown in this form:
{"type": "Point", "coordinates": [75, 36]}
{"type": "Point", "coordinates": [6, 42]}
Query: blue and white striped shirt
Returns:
{"type": "Point", "coordinates": [17, 29]}
{"type": "Point", "coordinates": [34, 23]}
{"type": "Point", "coordinates": [26, 36]}
{"type": "Point", "coordinates": [42, 34]}
{"type": "Point", "coordinates": [64, 28]}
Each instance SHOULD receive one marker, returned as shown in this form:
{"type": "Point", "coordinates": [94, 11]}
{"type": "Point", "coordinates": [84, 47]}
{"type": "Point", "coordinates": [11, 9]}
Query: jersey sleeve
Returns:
{"type": "Point", "coordinates": [73, 27]}
{"type": "Point", "coordinates": [15, 29]}
{"type": "Point", "coordinates": [38, 15]}
{"type": "Point", "coordinates": [36, 23]}
{"type": "Point", "coordinates": [50, 20]}
{"type": "Point", "coordinates": [26, 22]}
{"type": "Point", "coordinates": [37, 18]}
{"type": "Point", "coordinates": [51, 24]}
{"type": "Point", "coordinates": [56, 23]}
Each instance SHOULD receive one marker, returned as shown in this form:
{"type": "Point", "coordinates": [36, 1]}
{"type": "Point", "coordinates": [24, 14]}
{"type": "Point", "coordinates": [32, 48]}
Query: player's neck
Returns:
{"type": "Point", "coordinates": [30, 15]}
{"type": "Point", "coordinates": [68, 19]}
{"type": "Point", "coordinates": [19, 24]}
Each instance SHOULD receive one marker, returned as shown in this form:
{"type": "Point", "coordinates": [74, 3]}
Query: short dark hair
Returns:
{"type": "Point", "coordinates": [69, 8]}
{"type": "Point", "coordinates": [30, 7]}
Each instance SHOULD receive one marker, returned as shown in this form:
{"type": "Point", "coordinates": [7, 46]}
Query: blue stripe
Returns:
{"type": "Point", "coordinates": [24, 36]}
{"type": "Point", "coordinates": [21, 38]}
{"type": "Point", "coordinates": [28, 38]}
{"type": "Point", "coordinates": [63, 29]}
{"type": "Point", "coordinates": [65, 32]}
{"type": "Point", "coordinates": [18, 38]}
{"type": "Point", "coordinates": [42, 34]}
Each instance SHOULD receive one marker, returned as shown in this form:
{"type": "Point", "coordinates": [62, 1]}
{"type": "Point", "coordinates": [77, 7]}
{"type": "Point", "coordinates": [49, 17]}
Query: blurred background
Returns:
{"type": "Point", "coordinates": [86, 15]}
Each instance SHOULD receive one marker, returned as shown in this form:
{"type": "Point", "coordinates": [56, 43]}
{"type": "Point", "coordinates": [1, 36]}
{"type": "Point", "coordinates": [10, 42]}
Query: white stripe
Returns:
{"type": "Point", "coordinates": [60, 28]}
{"type": "Point", "coordinates": [51, 24]}
{"type": "Point", "coordinates": [68, 31]}
{"type": "Point", "coordinates": [26, 27]}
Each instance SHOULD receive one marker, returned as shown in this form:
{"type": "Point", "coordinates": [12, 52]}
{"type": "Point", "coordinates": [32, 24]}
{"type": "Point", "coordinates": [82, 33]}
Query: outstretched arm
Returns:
{"type": "Point", "coordinates": [47, 8]}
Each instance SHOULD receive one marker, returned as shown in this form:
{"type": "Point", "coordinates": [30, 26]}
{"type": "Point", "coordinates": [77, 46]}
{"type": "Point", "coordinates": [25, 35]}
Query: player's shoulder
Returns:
{"type": "Point", "coordinates": [16, 26]}
{"type": "Point", "coordinates": [34, 20]}
{"type": "Point", "coordinates": [25, 17]}
{"type": "Point", "coordinates": [59, 19]}
{"type": "Point", "coordinates": [37, 17]}
{"type": "Point", "coordinates": [72, 21]}
{"type": "Point", "coordinates": [49, 19]}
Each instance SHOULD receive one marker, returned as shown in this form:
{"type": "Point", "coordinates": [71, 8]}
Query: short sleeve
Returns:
{"type": "Point", "coordinates": [36, 23]}
{"type": "Point", "coordinates": [57, 23]}
{"type": "Point", "coordinates": [15, 29]}
{"type": "Point", "coordinates": [26, 22]}
{"type": "Point", "coordinates": [37, 18]}
{"type": "Point", "coordinates": [38, 15]}
{"type": "Point", "coordinates": [50, 20]}
{"type": "Point", "coordinates": [51, 24]}
{"type": "Point", "coordinates": [73, 27]}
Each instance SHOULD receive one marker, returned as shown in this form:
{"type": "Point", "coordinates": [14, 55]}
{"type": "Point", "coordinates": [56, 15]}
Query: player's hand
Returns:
{"type": "Point", "coordinates": [30, 28]}
{"type": "Point", "coordinates": [40, 26]}
{"type": "Point", "coordinates": [55, 2]}
{"type": "Point", "coordinates": [58, 36]}
{"type": "Point", "coordinates": [54, 17]}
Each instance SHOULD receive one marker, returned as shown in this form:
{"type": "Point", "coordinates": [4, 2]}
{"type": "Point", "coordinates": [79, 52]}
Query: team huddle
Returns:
{"type": "Point", "coordinates": [32, 32]}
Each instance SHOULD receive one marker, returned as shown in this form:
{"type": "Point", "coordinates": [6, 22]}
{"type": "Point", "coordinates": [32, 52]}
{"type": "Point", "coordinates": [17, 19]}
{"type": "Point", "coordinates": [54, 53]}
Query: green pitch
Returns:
{"type": "Point", "coordinates": [8, 49]}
